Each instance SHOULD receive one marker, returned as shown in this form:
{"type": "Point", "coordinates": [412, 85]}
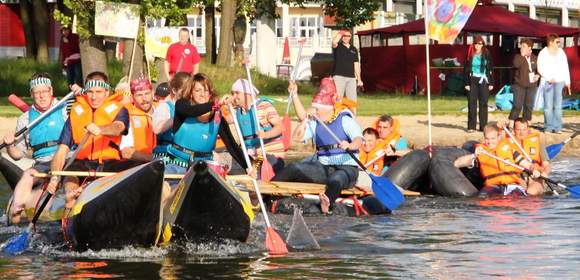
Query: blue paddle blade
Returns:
{"type": "Point", "coordinates": [574, 191]}
{"type": "Point", "coordinates": [554, 150]}
{"type": "Point", "coordinates": [17, 244]}
{"type": "Point", "coordinates": [386, 192]}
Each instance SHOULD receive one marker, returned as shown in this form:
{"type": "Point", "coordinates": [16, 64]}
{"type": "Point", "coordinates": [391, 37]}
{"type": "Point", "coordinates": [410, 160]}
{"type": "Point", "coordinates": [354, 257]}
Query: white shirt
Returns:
{"type": "Point", "coordinates": [161, 114]}
{"type": "Point", "coordinates": [553, 67]}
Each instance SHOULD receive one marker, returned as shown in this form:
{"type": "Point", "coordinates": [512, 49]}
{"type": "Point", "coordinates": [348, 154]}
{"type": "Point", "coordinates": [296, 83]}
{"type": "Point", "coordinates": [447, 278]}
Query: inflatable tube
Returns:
{"type": "Point", "coordinates": [410, 171]}
{"type": "Point", "coordinates": [446, 179]}
{"type": "Point", "coordinates": [11, 172]}
{"type": "Point", "coordinates": [342, 207]}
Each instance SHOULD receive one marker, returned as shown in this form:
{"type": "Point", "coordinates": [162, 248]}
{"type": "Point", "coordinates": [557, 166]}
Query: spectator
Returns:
{"type": "Point", "coordinates": [478, 82]}
{"type": "Point", "coordinates": [346, 69]}
{"type": "Point", "coordinates": [70, 56]}
{"type": "Point", "coordinates": [553, 68]}
{"type": "Point", "coordinates": [525, 79]}
{"type": "Point", "coordinates": [182, 56]}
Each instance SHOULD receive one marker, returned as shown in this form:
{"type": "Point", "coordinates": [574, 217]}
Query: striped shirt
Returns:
{"type": "Point", "coordinates": [266, 112]}
{"type": "Point", "coordinates": [353, 131]}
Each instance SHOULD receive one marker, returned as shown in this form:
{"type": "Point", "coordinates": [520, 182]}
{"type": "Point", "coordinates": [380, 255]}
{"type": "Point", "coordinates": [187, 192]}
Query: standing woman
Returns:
{"type": "Point", "coordinates": [553, 68]}
{"type": "Point", "coordinates": [525, 80]}
{"type": "Point", "coordinates": [478, 82]}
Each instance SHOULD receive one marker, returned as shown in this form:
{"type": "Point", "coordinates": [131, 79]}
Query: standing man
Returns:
{"type": "Point", "coordinates": [182, 56]}
{"type": "Point", "coordinates": [140, 140]}
{"type": "Point", "coordinates": [70, 56]}
{"type": "Point", "coordinates": [525, 82]}
{"type": "Point", "coordinates": [42, 139]}
{"type": "Point", "coordinates": [346, 69]}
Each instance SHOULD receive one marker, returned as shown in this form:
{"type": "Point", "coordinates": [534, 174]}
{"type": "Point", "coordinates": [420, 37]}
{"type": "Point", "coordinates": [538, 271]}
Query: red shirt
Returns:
{"type": "Point", "coordinates": [70, 50]}
{"type": "Point", "coordinates": [187, 53]}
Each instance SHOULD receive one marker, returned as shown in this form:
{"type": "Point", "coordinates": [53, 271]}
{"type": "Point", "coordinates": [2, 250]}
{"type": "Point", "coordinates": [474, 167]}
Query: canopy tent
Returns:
{"type": "Point", "coordinates": [390, 66]}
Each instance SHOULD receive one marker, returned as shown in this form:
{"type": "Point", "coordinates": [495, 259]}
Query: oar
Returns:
{"type": "Point", "coordinates": [17, 244]}
{"type": "Point", "coordinates": [266, 172]}
{"type": "Point", "coordinates": [385, 191]}
{"type": "Point", "coordinates": [554, 150]}
{"type": "Point", "coordinates": [274, 242]}
{"type": "Point", "coordinates": [287, 134]}
{"type": "Point", "coordinates": [18, 103]}
{"type": "Point", "coordinates": [380, 155]}
{"type": "Point", "coordinates": [573, 190]}
{"type": "Point", "coordinates": [30, 125]}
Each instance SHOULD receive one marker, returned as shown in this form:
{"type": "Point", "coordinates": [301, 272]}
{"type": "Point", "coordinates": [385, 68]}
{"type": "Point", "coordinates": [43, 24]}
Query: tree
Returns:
{"type": "Point", "coordinates": [226, 33]}
{"type": "Point", "coordinates": [210, 36]}
{"type": "Point", "coordinates": [350, 13]}
{"type": "Point", "coordinates": [40, 21]}
{"type": "Point", "coordinates": [25, 18]}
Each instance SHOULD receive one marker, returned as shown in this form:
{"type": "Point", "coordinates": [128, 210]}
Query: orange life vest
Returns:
{"type": "Point", "coordinates": [392, 138]}
{"type": "Point", "coordinates": [377, 167]}
{"type": "Point", "coordinates": [142, 126]}
{"type": "Point", "coordinates": [99, 148]}
{"type": "Point", "coordinates": [532, 146]}
{"type": "Point", "coordinates": [495, 172]}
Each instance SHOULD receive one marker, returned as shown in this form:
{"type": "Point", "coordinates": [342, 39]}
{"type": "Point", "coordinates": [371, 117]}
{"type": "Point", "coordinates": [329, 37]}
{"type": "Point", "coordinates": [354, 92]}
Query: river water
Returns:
{"type": "Point", "coordinates": [426, 238]}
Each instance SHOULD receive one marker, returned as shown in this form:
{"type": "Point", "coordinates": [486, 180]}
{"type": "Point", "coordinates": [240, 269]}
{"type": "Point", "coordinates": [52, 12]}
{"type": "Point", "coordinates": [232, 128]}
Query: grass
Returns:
{"type": "Point", "coordinates": [15, 73]}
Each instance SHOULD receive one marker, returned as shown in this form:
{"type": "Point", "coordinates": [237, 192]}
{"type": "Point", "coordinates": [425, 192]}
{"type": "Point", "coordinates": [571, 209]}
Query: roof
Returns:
{"type": "Point", "coordinates": [487, 19]}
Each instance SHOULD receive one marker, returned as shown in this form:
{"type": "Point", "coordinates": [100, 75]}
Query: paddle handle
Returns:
{"type": "Point", "coordinates": [517, 144]}
{"type": "Point", "coordinates": [294, 74]}
{"type": "Point", "coordinates": [41, 208]}
{"type": "Point", "coordinates": [571, 137]}
{"type": "Point", "coordinates": [255, 114]}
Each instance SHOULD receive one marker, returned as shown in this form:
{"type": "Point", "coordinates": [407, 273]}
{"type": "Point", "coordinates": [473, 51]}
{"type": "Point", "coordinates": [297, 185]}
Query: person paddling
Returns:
{"type": "Point", "coordinates": [499, 177]}
{"type": "Point", "coordinates": [333, 167]}
{"type": "Point", "coordinates": [140, 140]}
{"type": "Point", "coordinates": [42, 140]}
{"type": "Point", "coordinates": [96, 123]}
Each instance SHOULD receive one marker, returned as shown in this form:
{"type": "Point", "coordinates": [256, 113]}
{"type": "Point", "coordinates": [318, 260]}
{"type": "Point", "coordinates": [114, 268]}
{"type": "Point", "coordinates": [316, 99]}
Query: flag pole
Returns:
{"type": "Point", "coordinates": [428, 62]}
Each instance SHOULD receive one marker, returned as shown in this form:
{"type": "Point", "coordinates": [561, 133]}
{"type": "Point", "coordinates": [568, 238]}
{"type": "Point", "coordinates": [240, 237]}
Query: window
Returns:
{"type": "Point", "coordinates": [306, 26]}
{"type": "Point", "coordinates": [395, 41]}
{"type": "Point", "coordinates": [195, 24]}
{"type": "Point", "coordinates": [365, 41]}
{"type": "Point", "coordinates": [155, 22]}
{"type": "Point", "coordinates": [549, 15]}
{"type": "Point", "coordinates": [279, 28]}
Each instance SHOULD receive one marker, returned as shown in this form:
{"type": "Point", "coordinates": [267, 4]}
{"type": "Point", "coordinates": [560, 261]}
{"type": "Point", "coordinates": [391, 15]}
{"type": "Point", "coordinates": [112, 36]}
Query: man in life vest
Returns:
{"type": "Point", "coordinates": [333, 165]}
{"type": "Point", "coordinates": [139, 142]}
{"type": "Point", "coordinates": [391, 141]}
{"type": "Point", "coordinates": [370, 154]}
{"type": "Point", "coordinates": [500, 178]}
{"type": "Point", "coordinates": [42, 139]}
{"type": "Point", "coordinates": [270, 124]}
{"type": "Point", "coordinates": [95, 126]}
{"type": "Point", "coordinates": [534, 147]}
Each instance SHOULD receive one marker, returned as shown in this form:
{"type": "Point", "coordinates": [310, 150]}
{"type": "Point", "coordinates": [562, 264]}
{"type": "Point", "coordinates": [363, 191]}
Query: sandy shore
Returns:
{"type": "Point", "coordinates": [447, 130]}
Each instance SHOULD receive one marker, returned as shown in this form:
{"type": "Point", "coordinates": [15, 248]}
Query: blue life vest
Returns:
{"type": "Point", "coordinates": [249, 128]}
{"type": "Point", "coordinates": [165, 139]}
{"type": "Point", "coordinates": [325, 143]}
{"type": "Point", "coordinates": [45, 134]}
{"type": "Point", "coordinates": [194, 140]}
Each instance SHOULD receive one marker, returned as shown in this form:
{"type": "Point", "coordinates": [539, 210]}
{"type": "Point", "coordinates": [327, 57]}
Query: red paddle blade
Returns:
{"type": "Point", "coordinates": [274, 243]}
{"type": "Point", "coordinates": [287, 133]}
{"type": "Point", "coordinates": [266, 172]}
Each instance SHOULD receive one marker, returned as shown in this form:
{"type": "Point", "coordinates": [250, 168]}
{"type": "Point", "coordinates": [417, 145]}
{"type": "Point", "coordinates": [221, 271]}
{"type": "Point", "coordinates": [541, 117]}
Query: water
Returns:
{"type": "Point", "coordinates": [427, 238]}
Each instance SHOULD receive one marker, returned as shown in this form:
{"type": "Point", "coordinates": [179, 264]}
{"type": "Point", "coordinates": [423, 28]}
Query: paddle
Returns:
{"type": "Point", "coordinates": [40, 118]}
{"type": "Point", "coordinates": [573, 190]}
{"type": "Point", "coordinates": [266, 172]}
{"type": "Point", "coordinates": [17, 244]}
{"type": "Point", "coordinates": [385, 191]}
{"type": "Point", "coordinates": [18, 103]}
{"type": "Point", "coordinates": [554, 150]}
{"type": "Point", "coordinates": [287, 133]}
{"type": "Point", "coordinates": [274, 242]}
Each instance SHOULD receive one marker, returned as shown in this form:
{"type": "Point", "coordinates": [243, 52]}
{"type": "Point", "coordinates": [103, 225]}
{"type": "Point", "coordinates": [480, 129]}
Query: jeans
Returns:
{"type": "Point", "coordinates": [477, 92]}
{"type": "Point", "coordinates": [74, 74]}
{"type": "Point", "coordinates": [553, 106]}
{"type": "Point", "coordinates": [523, 98]}
{"type": "Point", "coordinates": [345, 86]}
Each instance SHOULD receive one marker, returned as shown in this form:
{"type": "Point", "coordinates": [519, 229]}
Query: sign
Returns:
{"type": "Point", "coordinates": [116, 19]}
{"type": "Point", "coordinates": [158, 39]}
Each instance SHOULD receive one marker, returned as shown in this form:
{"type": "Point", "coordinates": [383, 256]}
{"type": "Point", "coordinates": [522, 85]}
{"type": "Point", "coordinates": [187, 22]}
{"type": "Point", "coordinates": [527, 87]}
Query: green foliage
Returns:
{"type": "Point", "coordinates": [350, 13]}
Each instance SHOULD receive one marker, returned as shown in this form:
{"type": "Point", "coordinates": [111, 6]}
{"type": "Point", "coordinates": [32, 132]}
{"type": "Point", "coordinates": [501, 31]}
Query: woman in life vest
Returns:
{"type": "Point", "coordinates": [500, 178]}
{"type": "Point", "coordinates": [140, 140]}
{"type": "Point", "coordinates": [196, 125]}
{"type": "Point", "coordinates": [164, 113]}
{"type": "Point", "coordinates": [42, 139]}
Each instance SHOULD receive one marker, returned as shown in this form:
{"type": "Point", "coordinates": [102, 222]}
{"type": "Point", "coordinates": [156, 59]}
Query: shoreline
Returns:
{"type": "Point", "coordinates": [447, 130]}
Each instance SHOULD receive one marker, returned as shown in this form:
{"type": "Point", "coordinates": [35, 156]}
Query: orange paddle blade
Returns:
{"type": "Point", "coordinates": [287, 133]}
{"type": "Point", "coordinates": [267, 171]}
{"type": "Point", "coordinates": [274, 243]}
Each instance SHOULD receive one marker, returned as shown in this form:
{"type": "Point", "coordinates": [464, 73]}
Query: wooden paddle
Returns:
{"type": "Point", "coordinates": [27, 128]}
{"type": "Point", "coordinates": [554, 150]}
{"type": "Point", "coordinates": [266, 172]}
{"type": "Point", "coordinates": [274, 242]}
{"type": "Point", "coordinates": [17, 244]}
{"type": "Point", "coordinates": [385, 191]}
{"type": "Point", "coordinates": [287, 133]}
{"type": "Point", "coordinates": [573, 190]}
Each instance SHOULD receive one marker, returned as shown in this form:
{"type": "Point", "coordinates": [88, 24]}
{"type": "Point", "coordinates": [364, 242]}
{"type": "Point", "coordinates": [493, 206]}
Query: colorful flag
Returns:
{"type": "Point", "coordinates": [447, 18]}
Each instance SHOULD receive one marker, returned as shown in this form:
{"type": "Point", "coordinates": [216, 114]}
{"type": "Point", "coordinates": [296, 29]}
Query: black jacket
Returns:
{"type": "Point", "coordinates": [486, 67]}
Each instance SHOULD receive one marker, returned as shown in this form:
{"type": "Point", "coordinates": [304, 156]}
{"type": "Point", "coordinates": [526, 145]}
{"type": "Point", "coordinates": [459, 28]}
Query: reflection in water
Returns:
{"type": "Point", "coordinates": [439, 238]}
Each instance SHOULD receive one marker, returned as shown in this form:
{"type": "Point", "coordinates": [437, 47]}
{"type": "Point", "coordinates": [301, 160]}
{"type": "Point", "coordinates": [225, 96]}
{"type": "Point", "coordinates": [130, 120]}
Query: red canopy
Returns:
{"type": "Point", "coordinates": [488, 19]}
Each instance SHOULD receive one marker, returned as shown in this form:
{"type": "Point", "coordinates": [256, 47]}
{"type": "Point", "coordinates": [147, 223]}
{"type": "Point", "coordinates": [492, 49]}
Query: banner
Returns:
{"type": "Point", "coordinates": [116, 19]}
{"type": "Point", "coordinates": [447, 18]}
{"type": "Point", "coordinates": [158, 39]}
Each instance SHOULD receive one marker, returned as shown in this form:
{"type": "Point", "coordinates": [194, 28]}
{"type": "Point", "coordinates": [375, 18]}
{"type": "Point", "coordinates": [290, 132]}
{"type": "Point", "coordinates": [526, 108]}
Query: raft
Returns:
{"type": "Point", "coordinates": [206, 208]}
{"type": "Point", "coordinates": [11, 171]}
{"type": "Point", "coordinates": [118, 210]}
{"type": "Point", "coordinates": [410, 171]}
{"type": "Point", "coordinates": [446, 179]}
